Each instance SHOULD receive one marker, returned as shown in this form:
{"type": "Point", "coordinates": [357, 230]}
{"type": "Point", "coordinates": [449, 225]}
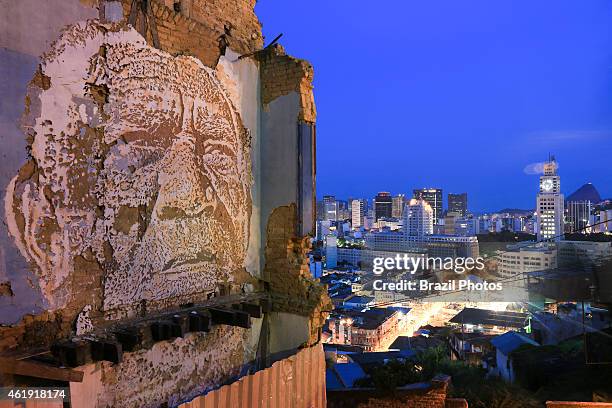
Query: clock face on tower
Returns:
{"type": "Point", "coordinates": [547, 185]}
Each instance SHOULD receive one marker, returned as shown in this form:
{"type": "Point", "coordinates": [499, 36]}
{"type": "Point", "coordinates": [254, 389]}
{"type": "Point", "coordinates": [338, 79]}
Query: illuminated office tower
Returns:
{"type": "Point", "coordinates": [579, 216]}
{"type": "Point", "coordinates": [358, 211]}
{"type": "Point", "coordinates": [418, 218]}
{"type": "Point", "coordinates": [457, 203]}
{"type": "Point", "coordinates": [549, 206]}
{"type": "Point", "coordinates": [433, 196]}
{"type": "Point", "coordinates": [397, 206]}
{"type": "Point", "coordinates": [383, 205]}
{"type": "Point", "coordinates": [330, 207]}
{"type": "Point", "coordinates": [580, 207]}
{"type": "Point", "coordinates": [343, 211]}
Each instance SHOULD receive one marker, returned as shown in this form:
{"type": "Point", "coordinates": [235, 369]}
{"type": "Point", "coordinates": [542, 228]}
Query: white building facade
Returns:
{"type": "Point", "coordinates": [418, 218]}
{"type": "Point", "coordinates": [549, 206]}
{"type": "Point", "coordinates": [358, 212]}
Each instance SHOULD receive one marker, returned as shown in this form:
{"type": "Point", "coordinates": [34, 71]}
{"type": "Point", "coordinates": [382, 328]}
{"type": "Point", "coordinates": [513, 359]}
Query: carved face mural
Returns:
{"type": "Point", "coordinates": [140, 165]}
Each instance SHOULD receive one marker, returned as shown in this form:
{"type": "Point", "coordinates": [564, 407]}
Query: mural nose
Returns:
{"type": "Point", "coordinates": [184, 187]}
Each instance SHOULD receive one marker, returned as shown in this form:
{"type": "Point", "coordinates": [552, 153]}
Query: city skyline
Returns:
{"type": "Point", "coordinates": [467, 99]}
{"type": "Point", "coordinates": [445, 194]}
{"type": "Point", "coordinates": [472, 196]}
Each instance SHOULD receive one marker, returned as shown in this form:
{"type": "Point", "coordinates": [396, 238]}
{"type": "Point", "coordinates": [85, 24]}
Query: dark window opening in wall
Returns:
{"type": "Point", "coordinates": [306, 178]}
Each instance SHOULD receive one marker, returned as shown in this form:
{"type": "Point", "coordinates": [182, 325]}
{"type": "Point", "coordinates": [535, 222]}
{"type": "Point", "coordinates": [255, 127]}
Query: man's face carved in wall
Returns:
{"type": "Point", "coordinates": [155, 182]}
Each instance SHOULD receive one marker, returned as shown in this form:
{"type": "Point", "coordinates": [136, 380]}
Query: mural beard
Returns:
{"type": "Point", "coordinates": [140, 163]}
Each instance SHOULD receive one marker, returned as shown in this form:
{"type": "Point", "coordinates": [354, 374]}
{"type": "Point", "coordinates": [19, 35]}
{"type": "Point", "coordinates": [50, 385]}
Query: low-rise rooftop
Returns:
{"type": "Point", "coordinates": [490, 318]}
{"type": "Point", "coordinates": [510, 341]}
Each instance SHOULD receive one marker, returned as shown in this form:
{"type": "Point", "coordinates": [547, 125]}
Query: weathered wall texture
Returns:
{"type": "Point", "coordinates": [43, 271]}
{"type": "Point", "coordinates": [290, 280]}
{"type": "Point", "coordinates": [168, 373]}
{"type": "Point", "coordinates": [287, 195]}
{"type": "Point", "coordinates": [137, 178]}
{"type": "Point", "coordinates": [140, 173]}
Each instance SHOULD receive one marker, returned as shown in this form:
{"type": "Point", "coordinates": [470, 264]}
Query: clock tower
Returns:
{"type": "Point", "coordinates": [549, 207]}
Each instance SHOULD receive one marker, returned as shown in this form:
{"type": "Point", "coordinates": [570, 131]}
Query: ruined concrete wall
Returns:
{"type": "Point", "coordinates": [288, 119]}
{"type": "Point", "coordinates": [70, 183]}
{"type": "Point", "coordinates": [292, 286]}
{"type": "Point", "coordinates": [139, 173]}
{"type": "Point", "coordinates": [288, 100]}
{"type": "Point", "coordinates": [169, 372]}
{"type": "Point", "coordinates": [137, 178]}
{"type": "Point", "coordinates": [288, 190]}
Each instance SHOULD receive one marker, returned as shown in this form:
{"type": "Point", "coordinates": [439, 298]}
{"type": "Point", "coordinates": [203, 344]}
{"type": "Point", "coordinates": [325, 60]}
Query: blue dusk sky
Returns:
{"type": "Point", "coordinates": [461, 95]}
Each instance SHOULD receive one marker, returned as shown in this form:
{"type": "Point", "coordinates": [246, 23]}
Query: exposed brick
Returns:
{"type": "Point", "coordinates": [208, 22]}
{"type": "Point", "coordinates": [287, 270]}
{"type": "Point", "coordinates": [282, 74]}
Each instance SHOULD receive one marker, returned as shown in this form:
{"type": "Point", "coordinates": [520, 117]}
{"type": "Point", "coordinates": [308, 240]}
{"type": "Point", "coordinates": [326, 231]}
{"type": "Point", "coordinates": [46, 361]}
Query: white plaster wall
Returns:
{"type": "Point", "coordinates": [241, 79]}
{"type": "Point", "coordinates": [287, 331]}
{"type": "Point", "coordinates": [279, 155]}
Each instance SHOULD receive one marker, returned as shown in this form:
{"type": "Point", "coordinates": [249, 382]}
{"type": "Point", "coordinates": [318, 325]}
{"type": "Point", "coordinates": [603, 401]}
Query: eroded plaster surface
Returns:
{"type": "Point", "coordinates": [140, 168]}
{"type": "Point", "coordinates": [169, 372]}
{"type": "Point", "coordinates": [138, 184]}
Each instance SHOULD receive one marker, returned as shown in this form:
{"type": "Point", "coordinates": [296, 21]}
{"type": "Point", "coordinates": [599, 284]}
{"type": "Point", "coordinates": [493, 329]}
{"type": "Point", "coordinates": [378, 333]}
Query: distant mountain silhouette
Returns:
{"type": "Point", "coordinates": [587, 192]}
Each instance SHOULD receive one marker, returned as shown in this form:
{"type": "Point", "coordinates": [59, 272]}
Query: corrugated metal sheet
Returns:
{"type": "Point", "coordinates": [295, 382]}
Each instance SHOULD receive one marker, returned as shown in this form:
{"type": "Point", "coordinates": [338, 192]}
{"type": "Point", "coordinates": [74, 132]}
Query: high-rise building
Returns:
{"type": "Point", "coordinates": [331, 251]}
{"type": "Point", "coordinates": [579, 215]}
{"type": "Point", "coordinates": [433, 196]}
{"type": "Point", "coordinates": [580, 209]}
{"type": "Point", "coordinates": [549, 203]}
{"type": "Point", "coordinates": [604, 221]}
{"type": "Point", "coordinates": [343, 210]}
{"type": "Point", "coordinates": [457, 203]}
{"type": "Point", "coordinates": [450, 219]}
{"type": "Point", "coordinates": [383, 205]}
{"type": "Point", "coordinates": [330, 207]}
{"type": "Point", "coordinates": [397, 207]}
{"type": "Point", "coordinates": [418, 218]}
{"type": "Point", "coordinates": [320, 210]}
{"type": "Point", "coordinates": [358, 211]}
